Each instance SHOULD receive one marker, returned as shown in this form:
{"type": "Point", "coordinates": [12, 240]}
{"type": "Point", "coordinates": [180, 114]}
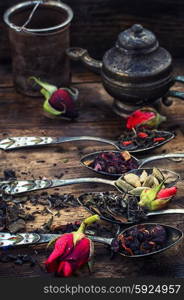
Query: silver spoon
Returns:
{"type": "Point", "coordinates": [12, 143]}
{"type": "Point", "coordinates": [22, 186]}
{"type": "Point", "coordinates": [22, 239]}
{"type": "Point", "coordinates": [174, 235]}
{"type": "Point", "coordinates": [138, 163]}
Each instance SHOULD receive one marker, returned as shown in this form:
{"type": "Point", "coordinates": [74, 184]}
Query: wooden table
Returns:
{"type": "Point", "coordinates": [21, 115]}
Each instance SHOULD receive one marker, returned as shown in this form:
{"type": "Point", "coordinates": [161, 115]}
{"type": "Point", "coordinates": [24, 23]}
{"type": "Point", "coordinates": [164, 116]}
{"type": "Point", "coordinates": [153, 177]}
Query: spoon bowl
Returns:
{"type": "Point", "coordinates": [135, 148]}
{"type": "Point", "coordinates": [135, 163]}
{"type": "Point", "coordinates": [173, 236]}
{"type": "Point", "coordinates": [170, 178]}
{"type": "Point", "coordinates": [15, 187]}
{"type": "Point", "coordinates": [121, 216]}
{"type": "Point", "coordinates": [13, 143]}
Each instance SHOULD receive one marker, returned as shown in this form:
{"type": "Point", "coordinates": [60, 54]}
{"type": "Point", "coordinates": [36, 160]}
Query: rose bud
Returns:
{"type": "Point", "coordinates": [167, 193]}
{"type": "Point", "coordinates": [156, 198]}
{"type": "Point", "coordinates": [58, 102]}
{"type": "Point", "coordinates": [71, 251]}
{"type": "Point", "coordinates": [145, 117]}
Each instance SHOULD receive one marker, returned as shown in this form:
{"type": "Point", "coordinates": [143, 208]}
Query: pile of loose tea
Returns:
{"type": "Point", "coordinates": [142, 239]}
{"type": "Point", "coordinates": [113, 162]}
{"type": "Point", "coordinates": [17, 259]}
{"type": "Point", "coordinates": [114, 206]}
{"type": "Point", "coordinates": [143, 138]}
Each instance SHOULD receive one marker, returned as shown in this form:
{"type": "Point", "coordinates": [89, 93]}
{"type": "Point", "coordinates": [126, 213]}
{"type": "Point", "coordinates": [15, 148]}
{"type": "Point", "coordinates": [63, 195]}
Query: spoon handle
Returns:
{"type": "Point", "coordinates": [35, 141]}
{"type": "Point", "coordinates": [161, 156]}
{"type": "Point", "coordinates": [23, 239]}
{"type": "Point", "coordinates": [99, 239]}
{"type": "Point", "coordinates": [166, 211]}
{"type": "Point", "coordinates": [18, 187]}
{"type": "Point", "coordinates": [86, 138]}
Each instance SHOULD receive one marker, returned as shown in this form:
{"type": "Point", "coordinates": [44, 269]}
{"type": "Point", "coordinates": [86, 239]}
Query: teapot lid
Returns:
{"type": "Point", "coordinates": [137, 39]}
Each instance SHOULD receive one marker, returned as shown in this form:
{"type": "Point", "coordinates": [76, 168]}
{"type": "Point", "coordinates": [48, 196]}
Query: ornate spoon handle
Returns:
{"type": "Point", "coordinates": [17, 187]}
{"type": "Point", "coordinates": [35, 141]}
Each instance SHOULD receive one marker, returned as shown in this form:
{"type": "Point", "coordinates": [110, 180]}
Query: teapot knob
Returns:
{"type": "Point", "coordinates": [137, 28]}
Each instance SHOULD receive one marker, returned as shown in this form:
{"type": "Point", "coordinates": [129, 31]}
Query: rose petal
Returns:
{"type": "Point", "coordinates": [138, 117]}
{"type": "Point", "coordinates": [166, 193]}
{"type": "Point", "coordinates": [80, 254]}
{"type": "Point", "coordinates": [61, 100]}
{"type": "Point", "coordinates": [63, 246]}
{"type": "Point", "coordinates": [65, 269]}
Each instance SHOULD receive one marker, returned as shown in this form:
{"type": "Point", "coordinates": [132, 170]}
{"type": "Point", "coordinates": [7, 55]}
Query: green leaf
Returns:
{"type": "Point", "coordinates": [49, 109]}
{"type": "Point", "coordinates": [147, 196]}
{"type": "Point", "coordinates": [46, 86]}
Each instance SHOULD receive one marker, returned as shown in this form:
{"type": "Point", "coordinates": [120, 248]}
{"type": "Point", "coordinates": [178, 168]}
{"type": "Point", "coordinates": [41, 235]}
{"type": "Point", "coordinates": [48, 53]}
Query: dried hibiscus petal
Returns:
{"type": "Point", "coordinates": [158, 139]}
{"type": "Point", "coordinates": [126, 143]}
{"type": "Point", "coordinates": [113, 162]}
{"type": "Point", "coordinates": [143, 239]}
{"type": "Point", "coordinates": [142, 135]}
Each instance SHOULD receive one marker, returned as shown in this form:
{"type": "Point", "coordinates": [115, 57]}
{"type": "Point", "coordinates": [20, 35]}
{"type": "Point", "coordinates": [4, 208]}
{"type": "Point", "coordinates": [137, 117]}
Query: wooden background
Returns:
{"type": "Point", "coordinates": [95, 26]}
{"type": "Point", "coordinates": [97, 23]}
{"type": "Point", "coordinates": [21, 115]}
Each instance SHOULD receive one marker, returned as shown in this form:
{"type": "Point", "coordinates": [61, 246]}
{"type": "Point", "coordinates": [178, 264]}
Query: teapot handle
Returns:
{"type": "Point", "coordinates": [81, 54]}
{"type": "Point", "coordinates": [173, 93]}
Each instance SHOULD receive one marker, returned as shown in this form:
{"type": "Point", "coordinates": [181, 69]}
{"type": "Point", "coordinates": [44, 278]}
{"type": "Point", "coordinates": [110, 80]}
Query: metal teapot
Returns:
{"type": "Point", "coordinates": [136, 72]}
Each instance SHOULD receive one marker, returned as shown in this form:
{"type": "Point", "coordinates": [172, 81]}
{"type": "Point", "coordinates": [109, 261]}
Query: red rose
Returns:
{"type": "Point", "coordinates": [66, 257]}
{"type": "Point", "coordinates": [71, 250]}
{"type": "Point", "coordinates": [62, 101]}
{"type": "Point", "coordinates": [157, 198]}
{"type": "Point", "coordinates": [145, 116]}
{"type": "Point", "coordinates": [58, 102]}
{"type": "Point", "coordinates": [167, 193]}
{"type": "Point", "coordinates": [138, 117]}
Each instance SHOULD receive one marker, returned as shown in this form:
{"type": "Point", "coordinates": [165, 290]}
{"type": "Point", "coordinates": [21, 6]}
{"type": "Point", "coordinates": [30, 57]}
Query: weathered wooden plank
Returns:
{"type": "Point", "coordinates": [97, 23]}
{"type": "Point", "coordinates": [22, 115]}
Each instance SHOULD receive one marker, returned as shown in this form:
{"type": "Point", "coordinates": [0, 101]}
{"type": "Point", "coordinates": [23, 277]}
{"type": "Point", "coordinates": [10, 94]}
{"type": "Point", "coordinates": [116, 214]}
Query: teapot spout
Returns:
{"type": "Point", "coordinates": [81, 54]}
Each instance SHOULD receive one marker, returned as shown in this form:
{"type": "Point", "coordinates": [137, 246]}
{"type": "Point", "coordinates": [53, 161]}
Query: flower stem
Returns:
{"type": "Point", "coordinates": [88, 221]}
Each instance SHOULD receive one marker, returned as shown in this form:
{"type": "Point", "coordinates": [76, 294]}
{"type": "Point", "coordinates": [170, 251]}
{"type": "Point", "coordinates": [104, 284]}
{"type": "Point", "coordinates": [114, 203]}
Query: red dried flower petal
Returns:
{"type": "Point", "coordinates": [167, 193]}
{"type": "Point", "coordinates": [142, 135]}
{"type": "Point", "coordinates": [126, 143]}
{"type": "Point", "coordinates": [158, 139]}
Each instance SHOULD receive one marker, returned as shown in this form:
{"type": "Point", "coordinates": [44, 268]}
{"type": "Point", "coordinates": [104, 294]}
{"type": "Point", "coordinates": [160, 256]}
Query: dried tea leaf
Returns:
{"type": "Point", "coordinates": [121, 219]}
{"type": "Point", "coordinates": [48, 224]}
{"type": "Point", "coordinates": [96, 210]}
{"type": "Point", "coordinates": [17, 226]}
{"type": "Point", "coordinates": [143, 176]}
{"type": "Point", "coordinates": [132, 179]}
{"type": "Point", "coordinates": [126, 155]}
{"type": "Point", "coordinates": [137, 191]}
{"type": "Point", "coordinates": [123, 185]}
{"type": "Point", "coordinates": [158, 174]}
{"type": "Point", "coordinates": [117, 217]}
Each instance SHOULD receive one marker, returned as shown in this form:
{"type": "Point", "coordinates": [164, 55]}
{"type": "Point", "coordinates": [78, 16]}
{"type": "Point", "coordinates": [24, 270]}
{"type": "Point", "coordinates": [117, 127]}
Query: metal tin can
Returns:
{"type": "Point", "coordinates": [38, 49]}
